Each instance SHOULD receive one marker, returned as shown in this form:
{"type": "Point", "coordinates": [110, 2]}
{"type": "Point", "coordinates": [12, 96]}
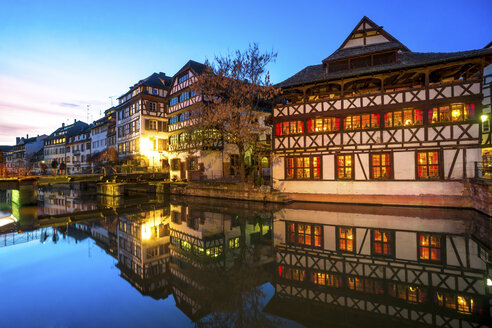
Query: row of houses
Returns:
{"type": "Point", "coordinates": [371, 111]}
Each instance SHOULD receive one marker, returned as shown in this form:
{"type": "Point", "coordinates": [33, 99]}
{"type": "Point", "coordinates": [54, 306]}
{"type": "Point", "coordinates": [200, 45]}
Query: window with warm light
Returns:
{"type": "Point", "coordinates": [413, 294]}
{"type": "Point", "coordinates": [405, 117]}
{"type": "Point", "coordinates": [345, 167]}
{"type": "Point", "coordinates": [303, 168]}
{"type": "Point", "coordinates": [327, 124]}
{"type": "Point", "coordinates": [382, 243]}
{"type": "Point", "coordinates": [364, 121]}
{"type": "Point", "coordinates": [326, 279]}
{"type": "Point", "coordinates": [461, 303]}
{"type": "Point", "coordinates": [365, 285]}
{"type": "Point", "coordinates": [304, 234]}
{"type": "Point", "coordinates": [452, 113]}
{"type": "Point", "coordinates": [234, 243]}
{"type": "Point", "coordinates": [345, 239]}
{"type": "Point", "coordinates": [428, 165]}
{"type": "Point", "coordinates": [431, 247]}
{"type": "Point", "coordinates": [381, 166]}
{"type": "Point", "coordinates": [289, 128]}
{"type": "Point", "coordinates": [215, 251]}
{"type": "Point", "coordinates": [291, 273]}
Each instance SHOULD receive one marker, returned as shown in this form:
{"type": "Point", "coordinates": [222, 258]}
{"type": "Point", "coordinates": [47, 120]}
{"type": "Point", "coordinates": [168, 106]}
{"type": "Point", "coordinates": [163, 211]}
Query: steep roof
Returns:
{"type": "Point", "coordinates": [195, 66]}
{"type": "Point", "coordinates": [156, 80]}
{"type": "Point", "coordinates": [68, 130]}
{"type": "Point", "coordinates": [383, 42]}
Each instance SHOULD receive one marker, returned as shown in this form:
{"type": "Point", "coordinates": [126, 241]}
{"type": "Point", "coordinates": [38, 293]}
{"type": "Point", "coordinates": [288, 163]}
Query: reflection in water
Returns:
{"type": "Point", "coordinates": [329, 264]}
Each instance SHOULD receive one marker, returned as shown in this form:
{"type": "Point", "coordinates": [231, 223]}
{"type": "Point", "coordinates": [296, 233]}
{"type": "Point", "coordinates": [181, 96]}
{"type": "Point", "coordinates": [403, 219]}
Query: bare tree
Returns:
{"type": "Point", "coordinates": [236, 92]}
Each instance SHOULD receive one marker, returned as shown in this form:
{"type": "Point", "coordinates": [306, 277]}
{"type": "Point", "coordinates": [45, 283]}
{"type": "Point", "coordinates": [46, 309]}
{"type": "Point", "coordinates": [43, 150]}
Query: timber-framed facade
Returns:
{"type": "Point", "coordinates": [377, 120]}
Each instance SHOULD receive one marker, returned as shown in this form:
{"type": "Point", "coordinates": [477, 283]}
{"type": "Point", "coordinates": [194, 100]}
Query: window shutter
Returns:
{"type": "Point", "coordinates": [160, 126]}
{"type": "Point", "coordinates": [147, 124]}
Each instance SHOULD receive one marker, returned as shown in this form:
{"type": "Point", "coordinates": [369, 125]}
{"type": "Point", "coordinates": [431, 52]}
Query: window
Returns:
{"type": "Point", "coordinates": [405, 117]}
{"type": "Point", "coordinates": [344, 167]}
{"type": "Point", "coordinates": [365, 285]}
{"type": "Point", "coordinates": [303, 234]}
{"type": "Point", "coordinates": [381, 166]}
{"type": "Point", "coordinates": [428, 165]}
{"type": "Point", "coordinates": [452, 113]}
{"type": "Point", "coordinates": [152, 125]}
{"type": "Point", "coordinates": [193, 164]}
{"type": "Point", "coordinates": [152, 106]}
{"type": "Point", "coordinates": [408, 293]}
{"type": "Point", "coordinates": [461, 303]}
{"type": "Point", "coordinates": [291, 273]}
{"type": "Point", "coordinates": [382, 243]}
{"type": "Point", "coordinates": [215, 251]}
{"type": "Point", "coordinates": [183, 78]}
{"type": "Point", "coordinates": [364, 121]}
{"type": "Point", "coordinates": [326, 279]}
{"type": "Point", "coordinates": [174, 101]}
{"type": "Point", "coordinates": [184, 96]}
{"type": "Point", "coordinates": [327, 124]}
{"type": "Point", "coordinates": [303, 168]}
{"type": "Point", "coordinates": [345, 239]}
{"type": "Point", "coordinates": [175, 163]}
{"type": "Point", "coordinates": [234, 243]}
{"type": "Point", "coordinates": [289, 128]}
{"type": "Point", "coordinates": [485, 124]}
{"type": "Point", "coordinates": [431, 247]}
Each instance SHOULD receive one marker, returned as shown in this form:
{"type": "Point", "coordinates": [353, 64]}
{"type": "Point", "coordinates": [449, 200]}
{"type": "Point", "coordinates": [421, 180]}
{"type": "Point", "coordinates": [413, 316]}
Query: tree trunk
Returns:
{"type": "Point", "coordinates": [242, 166]}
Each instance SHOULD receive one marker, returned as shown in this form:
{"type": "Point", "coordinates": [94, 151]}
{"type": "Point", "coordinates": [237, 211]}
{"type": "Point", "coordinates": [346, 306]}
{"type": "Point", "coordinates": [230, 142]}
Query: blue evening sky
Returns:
{"type": "Point", "coordinates": [57, 57]}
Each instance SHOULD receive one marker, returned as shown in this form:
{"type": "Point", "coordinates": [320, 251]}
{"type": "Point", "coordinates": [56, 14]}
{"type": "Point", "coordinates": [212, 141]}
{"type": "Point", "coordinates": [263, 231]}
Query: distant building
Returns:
{"type": "Point", "coordinates": [141, 121]}
{"type": "Point", "coordinates": [24, 150]}
{"type": "Point", "coordinates": [55, 144]}
{"type": "Point", "coordinates": [78, 151]}
{"type": "Point", "coordinates": [5, 152]}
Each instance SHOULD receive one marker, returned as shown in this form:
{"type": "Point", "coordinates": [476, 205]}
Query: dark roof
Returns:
{"type": "Point", "coordinates": [357, 51]}
{"type": "Point", "coordinates": [406, 59]}
{"type": "Point", "coordinates": [156, 80]}
{"type": "Point", "coordinates": [69, 130]}
{"type": "Point", "coordinates": [197, 67]}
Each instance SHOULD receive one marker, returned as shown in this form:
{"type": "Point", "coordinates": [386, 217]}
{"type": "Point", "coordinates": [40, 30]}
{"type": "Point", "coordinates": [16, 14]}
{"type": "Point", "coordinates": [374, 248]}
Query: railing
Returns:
{"type": "Point", "coordinates": [483, 170]}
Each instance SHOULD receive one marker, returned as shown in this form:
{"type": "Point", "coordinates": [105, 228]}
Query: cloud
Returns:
{"type": "Point", "coordinates": [65, 104]}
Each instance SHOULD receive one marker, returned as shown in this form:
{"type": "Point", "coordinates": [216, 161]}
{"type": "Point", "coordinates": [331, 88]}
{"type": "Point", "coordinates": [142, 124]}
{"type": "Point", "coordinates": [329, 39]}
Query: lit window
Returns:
{"type": "Point", "coordinates": [430, 247]}
{"type": "Point", "coordinates": [303, 234]}
{"type": "Point", "coordinates": [461, 303]}
{"type": "Point", "coordinates": [291, 273]}
{"type": "Point", "coordinates": [406, 117]}
{"type": "Point", "coordinates": [382, 243]}
{"type": "Point", "coordinates": [301, 168]}
{"type": "Point", "coordinates": [428, 165]}
{"type": "Point", "coordinates": [327, 124]}
{"type": "Point", "coordinates": [452, 113]}
{"type": "Point", "coordinates": [344, 166]}
{"type": "Point", "coordinates": [365, 121]}
{"type": "Point", "coordinates": [234, 242]}
{"type": "Point", "coordinates": [290, 128]}
{"type": "Point", "coordinates": [408, 293]}
{"type": "Point", "coordinates": [326, 279]}
{"type": "Point", "coordinates": [345, 237]}
{"type": "Point", "coordinates": [381, 166]}
{"type": "Point", "coordinates": [365, 285]}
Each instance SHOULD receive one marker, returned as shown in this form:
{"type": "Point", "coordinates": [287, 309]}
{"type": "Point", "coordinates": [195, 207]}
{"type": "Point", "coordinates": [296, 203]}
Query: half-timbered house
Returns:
{"type": "Point", "coordinates": [387, 265]}
{"type": "Point", "coordinates": [377, 120]}
{"type": "Point", "coordinates": [141, 121]}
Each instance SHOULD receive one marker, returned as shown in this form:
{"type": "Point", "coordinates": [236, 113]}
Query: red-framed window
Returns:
{"type": "Point", "coordinates": [431, 247]}
{"type": "Point", "coordinates": [345, 167]}
{"type": "Point", "coordinates": [381, 166]}
{"type": "Point", "coordinates": [345, 239]}
{"type": "Point", "coordinates": [405, 117]}
{"type": "Point", "coordinates": [383, 243]}
{"type": "Point", "coordinates": [289, 128]}
{"type": "Point", "coordinates": [291, 273]}
{"type": "Point", "coordinates": [428, 165]}
{"type": "Point", "coordinates": [361, 122]}
{"type": "Point", "coordinates": [303, 168]}
{"type": "Point", "coordinates": [452, 113]}
{"type": "Point", "coordinates": [326, 124]}
{"type": "Point", "coordinates": [304, 234]}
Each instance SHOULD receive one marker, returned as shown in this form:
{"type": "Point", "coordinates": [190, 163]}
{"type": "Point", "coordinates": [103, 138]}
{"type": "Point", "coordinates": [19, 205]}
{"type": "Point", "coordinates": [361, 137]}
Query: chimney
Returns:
{"type": "Point", "coordinates": [27, 136]}
{"type": "Point", "coordinates": [75, 120]}
{"type": "Point", "coordinates": [63, 125]}
{"type": "Point", "coordinates": [17, 140]}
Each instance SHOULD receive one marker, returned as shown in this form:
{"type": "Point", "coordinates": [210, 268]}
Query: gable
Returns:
{"type": "Point", "coordinates": [367, 33]}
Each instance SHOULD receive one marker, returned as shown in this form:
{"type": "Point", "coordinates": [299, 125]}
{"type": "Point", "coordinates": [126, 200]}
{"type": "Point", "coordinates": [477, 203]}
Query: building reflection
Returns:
{"type": "Point", "coordinates": [417, 266]}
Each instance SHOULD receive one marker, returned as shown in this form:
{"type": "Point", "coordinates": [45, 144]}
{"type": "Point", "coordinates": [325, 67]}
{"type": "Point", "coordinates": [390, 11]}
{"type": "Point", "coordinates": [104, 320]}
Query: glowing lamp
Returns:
{"type": "Point", "coordinates": [489, 282]}
{"type": "Point", "coordinates": [484, 117]}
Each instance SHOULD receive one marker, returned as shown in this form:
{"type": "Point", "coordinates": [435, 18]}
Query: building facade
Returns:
{"type": "Point", "coordinates": [141, 122]}
{"type": "Point", "coordinates": [376, 120]}
{"type": "Point", "coordinates": [24, 151]}
{"type": "Point", "coordinates": [78, 151]}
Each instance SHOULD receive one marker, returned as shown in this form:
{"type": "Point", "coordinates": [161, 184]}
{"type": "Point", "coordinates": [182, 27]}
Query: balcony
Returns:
{"type": "Point", "coordinates": [402, 97]}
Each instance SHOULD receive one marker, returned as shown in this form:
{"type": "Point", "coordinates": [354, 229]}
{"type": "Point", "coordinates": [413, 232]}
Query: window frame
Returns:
{"type": "Point", "coordinates": [296, 235]}
{"type": "Point", "coordinates": [333, 122]}
{"type": "Point", "coordinates": [337, 239]}
{"type": "Point", "coordinates": [442, 248]}
{"type": "Point", "coordinates": [352, 175]}
{"type": "Point", "coordinates": [464, 106]}
{"type": "Point", "coordinates": [391, 243]}
{"type": "Point", "coordinates": [439, 164]}
{"type": "Point", "coordinates": [390, 166]}
{"type": "Point", "coordinates": [311, 168]}
{"type": "Point", "coordinates": [402, 111]}
{"type": "Point", "coordinates": [361, 127]}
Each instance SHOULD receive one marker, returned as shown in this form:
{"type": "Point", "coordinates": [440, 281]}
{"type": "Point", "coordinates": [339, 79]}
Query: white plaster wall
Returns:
{"type": "Point", "coordinates": [406, 245]}
{"type": "Point", "coordinates": [359, 237]}
{"type": "Point", "coordinates": [278, 168]}
{"type": "Point", "coordinates": [376, 39]}
{"type": "Point", "coordinates": [448, 155]}
{"type": "Point", "coordinates": [328, 163]}
{"type": "Point", "coordinates": [472, 155]}
{"type": "Point", "coordinates": [360, 170]}
{"type": "Point", "coordinates": [212, 162]}
{"type": "Point", "coordinates": [354, 43]}
{"type": "Point", "coordinates": [401, 188]}
{"type": "Point", "coordinates": [278, 231]}
{"type": "Point", "coordinates": [404, 165]}
{"type": "Point", "coordinates": [329, 236]}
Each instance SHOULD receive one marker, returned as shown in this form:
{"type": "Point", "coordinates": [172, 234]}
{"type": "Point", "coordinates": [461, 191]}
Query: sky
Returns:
{"type": "Point", "coordinates": [58, 57]}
